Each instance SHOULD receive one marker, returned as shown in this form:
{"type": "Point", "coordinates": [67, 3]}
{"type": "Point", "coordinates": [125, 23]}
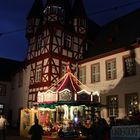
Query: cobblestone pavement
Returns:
{"type": "Point", "coordinates": [13, 134]}
{"type": "Point", "coordinates": [15, 138]}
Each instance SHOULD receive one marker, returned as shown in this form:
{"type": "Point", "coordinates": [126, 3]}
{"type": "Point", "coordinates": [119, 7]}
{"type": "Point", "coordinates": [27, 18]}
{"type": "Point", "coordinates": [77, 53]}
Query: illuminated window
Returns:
{"type": "Point", "coordinates": [82, 74]}
{"type": "Point", "coordinates": [38, 73]}
{"type": "Point", "coordinates": [95, 73]}
{"type": "Point", "coordinates": [112, 102]}
{"type": "Point", "coordinates": [54, 10]}
{"type": "Point", "coordinates": [111, 69]}
{"type": "Point", "coordinates": [129, 66]}
{"type": "Point", "coordinates": [1, 108]}
{"type": "Point", "coordinates": [131, 103]}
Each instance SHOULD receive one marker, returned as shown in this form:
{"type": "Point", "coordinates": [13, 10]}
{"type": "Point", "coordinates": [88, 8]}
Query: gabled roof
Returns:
{"type": "Point", "coordinates": [69, 83]}
{"type": "Point", "coordinates": [36, 10]}
{"type": "Point", "coordinates": [8, 68]}
{"type": "Point", "coordinates": [78, 9]}
{"type": "Point", "coordinates": [120, 33]}
{"type": "Point", "coordinates": [62, 3]}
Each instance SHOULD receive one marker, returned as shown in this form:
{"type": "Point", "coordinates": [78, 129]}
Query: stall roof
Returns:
{"type": "Point", "coordinates": [71, 83]}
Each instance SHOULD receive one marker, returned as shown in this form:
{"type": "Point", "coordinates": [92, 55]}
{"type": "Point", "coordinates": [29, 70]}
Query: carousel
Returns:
{"type": "Point", "coordinates": [62, 108]}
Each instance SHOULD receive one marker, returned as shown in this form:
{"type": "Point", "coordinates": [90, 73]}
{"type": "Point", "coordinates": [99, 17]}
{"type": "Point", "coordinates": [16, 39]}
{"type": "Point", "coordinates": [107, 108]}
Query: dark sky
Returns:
{"type": "Point", "coordinates": [13, 44]}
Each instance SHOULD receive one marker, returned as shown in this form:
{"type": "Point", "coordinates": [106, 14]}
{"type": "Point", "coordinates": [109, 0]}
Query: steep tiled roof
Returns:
{"type": "Point", "coordinates": [8, 67]}
{"type": "Point", "coordinates": [120, 33]}
{"type": "Point", "coordinates": [36, 10]}
{"type": "Point", "coordinates": [78, 9]}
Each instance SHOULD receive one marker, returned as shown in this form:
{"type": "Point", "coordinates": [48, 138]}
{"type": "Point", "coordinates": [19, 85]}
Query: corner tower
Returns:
{"type": "Point", "coordinates": [52, 43]}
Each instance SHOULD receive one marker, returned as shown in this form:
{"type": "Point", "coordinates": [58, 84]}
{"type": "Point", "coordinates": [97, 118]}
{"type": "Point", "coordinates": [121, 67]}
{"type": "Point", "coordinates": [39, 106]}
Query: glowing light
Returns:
{"type": "Point", "coordinates": [76, 119]}
{"type": "Point", "coordinates": [50, 91]}
{"type": "Point", "coordinates": [66, 112]}
{"type": "Point", "coordinates": [75, 97]}
{"type": "Point", "coordinates": [83, 90]}
{"type": "Point", "coordinates": [65, 90]}
{"type": "Point", "coordinates": [96, 93]}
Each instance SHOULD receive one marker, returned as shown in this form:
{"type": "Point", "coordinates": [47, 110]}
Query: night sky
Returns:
{"type": "Point", "coordinates": [13, 44]}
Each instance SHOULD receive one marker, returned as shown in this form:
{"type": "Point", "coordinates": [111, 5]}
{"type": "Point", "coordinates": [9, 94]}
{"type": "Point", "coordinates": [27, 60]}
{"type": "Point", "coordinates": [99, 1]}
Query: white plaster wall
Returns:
{"type": "Point", "coordinates": [119, 86]}
{"type": "Point", "coordinates": [5, 99]}
{"type": "Point", "coordinates": [19, 95]}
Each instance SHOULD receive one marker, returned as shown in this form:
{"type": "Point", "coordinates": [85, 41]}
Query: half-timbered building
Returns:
{"type": "Point", "coordinates": [60, 32]}
{"type": "Point", "coordinates": [57, 34]}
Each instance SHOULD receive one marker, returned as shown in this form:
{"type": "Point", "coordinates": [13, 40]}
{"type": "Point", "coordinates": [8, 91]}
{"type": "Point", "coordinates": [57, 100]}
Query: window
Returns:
{"type": "Point", "coordinates": [129, 66]}
{"type": "Point", "coordinates": [1, 108]}
{"type": "Point", "coordinates": [67, 42]}
{"type": "Point", "coordinates": [131, 103]}
{"type": "Point", "coordinates": [82, 22]}
{"type": "Point", "coordinates": [2, 89]}
{"type": "Point", "coordinates": [38, 73]}
{"type": "Point", "coordinates": [95, 73]}
{"type": "Point", "coordinates": [112, 101]}
{"type": "Point", "coordinates": [54, 10]}
{"type": "Point", "coordinates": [63, 69]}
{"type": "Point", "coordinates": [39, 43]}
{"type": "Point", "coordinates": [82, 74]}
{"type": "Point", "coordinates": [111, 69]}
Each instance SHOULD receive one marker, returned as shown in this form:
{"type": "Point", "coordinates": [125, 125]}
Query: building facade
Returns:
{"type": "Point", "coordinates": [106, 59]}
{"type": "Point", "coordinates": [116, 77]}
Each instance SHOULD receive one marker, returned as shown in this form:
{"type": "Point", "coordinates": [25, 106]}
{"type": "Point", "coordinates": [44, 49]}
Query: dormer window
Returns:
{"type": "Point", "coordinates": [80, 25]}
{"type": "Point", "coordinates": [54, 13]}
{"type": "Point", "coordinates": [54, 10]}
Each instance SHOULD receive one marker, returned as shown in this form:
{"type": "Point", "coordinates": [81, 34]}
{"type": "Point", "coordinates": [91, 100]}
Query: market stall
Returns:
{"type": "Point", "coordinates": [64, 106]}
{"type": "Point", "coordinates": [69, 102]}
{"type": "Point", "coordinates": [27, 118]}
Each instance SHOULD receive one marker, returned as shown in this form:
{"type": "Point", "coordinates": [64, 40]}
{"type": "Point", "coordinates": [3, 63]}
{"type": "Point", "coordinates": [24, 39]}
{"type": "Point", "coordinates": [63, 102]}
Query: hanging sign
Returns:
{"type": "Point", "coordinates": [65, 95]}
{"type": "Point", "coordinates": [50, 96]}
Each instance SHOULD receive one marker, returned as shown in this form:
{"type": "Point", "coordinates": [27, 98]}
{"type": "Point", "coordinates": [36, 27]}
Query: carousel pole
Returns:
{"type": "Point", "coordinates": [56, 114]}
{"type": "Point", "coordinates": [57, 108]}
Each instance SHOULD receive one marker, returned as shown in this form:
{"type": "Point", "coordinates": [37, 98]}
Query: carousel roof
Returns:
{"type": "Point", "coordinates": [67, 90]}
{"type": "Point", "coordinates": [69, 82]}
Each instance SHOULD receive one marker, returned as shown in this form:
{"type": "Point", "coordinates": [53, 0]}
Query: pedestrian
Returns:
{"type": "Point", "coordinates": [100, 129]}
{"type": "Point", "coordinates": [36, 131]}
{"type": "Point", "coordinates": [3, 125]}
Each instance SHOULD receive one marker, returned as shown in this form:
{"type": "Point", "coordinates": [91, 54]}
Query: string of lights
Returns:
{"type": "Point", "coordinates": [114, 8]}
{"type": "Point", "coordinates": [90, 14]}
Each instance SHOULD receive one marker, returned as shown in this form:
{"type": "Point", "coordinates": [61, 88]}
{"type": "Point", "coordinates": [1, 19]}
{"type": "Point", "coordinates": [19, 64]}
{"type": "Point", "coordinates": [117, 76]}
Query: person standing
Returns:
{"type": "Point", "coordinates": [3, 125]}
{"type": "Point", "coordinates": [36, 131]}
{"type": "Point", "coordinates": [100, 129]}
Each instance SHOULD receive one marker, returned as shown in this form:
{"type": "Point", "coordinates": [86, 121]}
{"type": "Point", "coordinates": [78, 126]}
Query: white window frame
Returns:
{"type": "Point", "coordinates": [95, 72]}
{"type": "Point", "coordinates": [38, 73]}
{"type": "Point", "coordinates": [82, 74]}
{"type": "Point", "coordinates": [111, 69]}
{"type": "Point", "coordinates": [129, 66]}
{"type": "Point", "coordinates": [113, 108]}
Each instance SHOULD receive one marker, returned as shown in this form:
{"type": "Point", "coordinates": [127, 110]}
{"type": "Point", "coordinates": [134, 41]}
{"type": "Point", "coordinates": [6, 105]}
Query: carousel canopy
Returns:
{"type": "Point", "coordinates": [66, 90]}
